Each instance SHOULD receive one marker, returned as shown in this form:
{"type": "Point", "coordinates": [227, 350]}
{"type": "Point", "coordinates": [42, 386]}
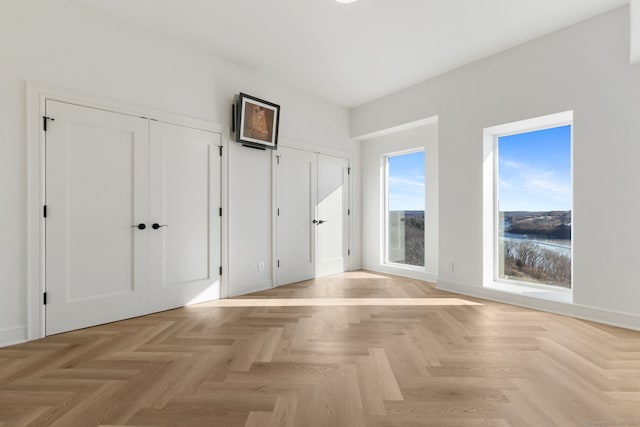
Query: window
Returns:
{"type": "Point", "coordinates": [405, 202]}
{"type": "Point", "coordinates": [533, 206]}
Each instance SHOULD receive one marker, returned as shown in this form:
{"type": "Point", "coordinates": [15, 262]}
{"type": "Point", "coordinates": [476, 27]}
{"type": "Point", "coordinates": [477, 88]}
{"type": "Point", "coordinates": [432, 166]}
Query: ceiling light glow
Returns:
{"type": "Point", "coordinates": [345, 1]}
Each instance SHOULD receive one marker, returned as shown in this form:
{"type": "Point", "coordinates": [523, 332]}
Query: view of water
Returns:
{"type": "Point", "coordinates": [557, 245]}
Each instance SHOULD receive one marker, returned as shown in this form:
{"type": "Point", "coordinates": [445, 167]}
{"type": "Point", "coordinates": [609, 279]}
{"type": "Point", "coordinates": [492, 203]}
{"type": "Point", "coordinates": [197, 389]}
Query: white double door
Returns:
{"type": "Point", "coordinates": [312, 194]}
{"type": "Point", "coordinates": [132, 223]}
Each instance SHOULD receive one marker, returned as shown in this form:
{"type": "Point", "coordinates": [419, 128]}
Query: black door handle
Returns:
{"type": "Point", "coordinates": [322, 221]}
{"type": "Point", "coordinates": [140, 226]}
{"type": "Point", "coordinates": [155, 225]}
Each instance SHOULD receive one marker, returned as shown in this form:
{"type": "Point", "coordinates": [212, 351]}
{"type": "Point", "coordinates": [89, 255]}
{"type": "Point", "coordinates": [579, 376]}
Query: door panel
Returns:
{"type": "Point", "coordinates": [296, 197]}
{"type": "Point", "coordinates": [97, 180]}
{"type": "Point", "coordinates": [185, 198]}
{"type": "Point", "coordinates": [332, 206]}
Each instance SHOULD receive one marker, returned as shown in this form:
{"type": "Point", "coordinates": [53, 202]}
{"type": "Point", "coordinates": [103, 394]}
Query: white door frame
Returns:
{"type": "Point", "coordinates": [37, 95]}
{"type": "Point", "coordinates": [274, 223]}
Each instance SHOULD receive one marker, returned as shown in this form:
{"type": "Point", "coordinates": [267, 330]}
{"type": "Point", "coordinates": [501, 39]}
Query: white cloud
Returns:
{"type": "Point", "coordinates": [505, 185]}
{"type": "Point", "coordinates": [510, 163]}
{"type": "Point", "coordinates": [535, 189]}
{"type": "Point", "coordinates": [406, 192]}
{"type": "Point", "coordinates": [415, 182]}
{"type": "Point", "coordinates": [550, 185]}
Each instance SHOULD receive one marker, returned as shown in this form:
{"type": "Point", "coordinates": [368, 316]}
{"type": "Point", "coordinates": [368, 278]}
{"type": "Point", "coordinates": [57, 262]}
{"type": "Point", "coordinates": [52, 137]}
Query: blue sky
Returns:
{"type": "Point", "coordinates": [534, 170]}
{"type": "Point", "coordinates": [406, 182]}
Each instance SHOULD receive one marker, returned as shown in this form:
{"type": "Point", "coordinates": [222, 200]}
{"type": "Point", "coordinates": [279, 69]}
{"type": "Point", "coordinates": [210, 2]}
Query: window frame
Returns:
{"type": "Point", "coordinates": [491, 212]}
{"type": "Point", "coordinates": [385, 210]}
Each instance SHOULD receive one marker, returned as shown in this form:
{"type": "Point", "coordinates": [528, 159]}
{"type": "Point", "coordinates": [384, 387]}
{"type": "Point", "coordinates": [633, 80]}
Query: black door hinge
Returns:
{"type": "Point", "coordinates": [221, 270]}
{"type": "Point", "coordinates": [278, 211]}
{"type": "Point", "coordinates": [45, 119]}
{"type": "Point", "coordinates": [348, 171]}
{"type": "Point", "coordinates": [278, 159]}
{"type": "Point", "coordinates": [278, 263]}
{"type": "Point", "coordinates": [220, 211]}
{"type": "Point", "coordinates": [349, 252]}
{"type": "Point", "coordinates": [44, 211]}
{"type": "Point", "coordinates": [44, 298]}
{"type": "Point", "coordinates": [220, 147]}
{"type": "Point", "coordinates": [348, 211]}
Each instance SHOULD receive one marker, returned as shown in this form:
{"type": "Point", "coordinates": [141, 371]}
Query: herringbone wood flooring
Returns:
{"type": "Point", "coordinates": [347, 350]}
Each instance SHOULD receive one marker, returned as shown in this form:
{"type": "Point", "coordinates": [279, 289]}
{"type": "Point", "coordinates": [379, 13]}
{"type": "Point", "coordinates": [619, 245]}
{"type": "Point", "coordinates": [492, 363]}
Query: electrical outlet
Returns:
{"type": "Point", "coordinates": [260, 265]}
{"type": "Point", "coordinates": [452, 267]}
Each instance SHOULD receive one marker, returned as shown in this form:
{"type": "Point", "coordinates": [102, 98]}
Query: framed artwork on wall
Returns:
{"type": "Point", "coordinates": [256, 122]}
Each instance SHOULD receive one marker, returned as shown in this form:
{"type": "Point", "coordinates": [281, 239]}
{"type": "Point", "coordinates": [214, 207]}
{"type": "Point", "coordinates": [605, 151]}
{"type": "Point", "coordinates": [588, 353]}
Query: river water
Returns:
{"type": "Point", "coordinates": [557, 245]}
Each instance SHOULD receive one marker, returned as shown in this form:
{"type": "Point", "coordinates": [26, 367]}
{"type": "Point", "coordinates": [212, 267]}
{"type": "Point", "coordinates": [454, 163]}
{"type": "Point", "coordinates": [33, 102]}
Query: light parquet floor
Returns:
{"type": "Point", "coordinates": [349, 350]}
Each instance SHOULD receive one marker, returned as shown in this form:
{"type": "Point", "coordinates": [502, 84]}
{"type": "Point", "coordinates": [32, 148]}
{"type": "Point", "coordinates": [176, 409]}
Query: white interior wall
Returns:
{"type": "Point", "coordinates": [373, 150]}
{"type": "Point", "coordinates": [62, 45]}
{"type": "Point", "coordinates": [634, 22]}
{"type": "Point", "coordinates": [584, 68]}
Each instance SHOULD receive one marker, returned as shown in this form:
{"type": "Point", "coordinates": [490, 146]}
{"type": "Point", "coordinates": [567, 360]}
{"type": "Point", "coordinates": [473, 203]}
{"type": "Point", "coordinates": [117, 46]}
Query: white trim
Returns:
{"type": "Point", "coordinates": [402, 266]}
{"type": "Point", "coordinates": [274, 218]}
{"type": "Point", "coordinates": [224, 200]}
{"type": "Point", "coordinates": [385, 213]}
{"type": "Point", "coordinates": [594, 314]}
{"type": "Point", "coordinates": [382, 227]}
{"type": "Point", "coordinates": [418, 149]}
{"type": "Point", "coordinates": [399, 128]}
{"type": "Point", "coordinates": [36, 103]}
{"type": "Point", "coordinates": [529, 125]}
{"type": "Point", "coordinates": [527, 286]}
{"type": "Point", "coordinates": [116, 106]}
{"type": "Point", "coordinates": [317, 149]}
{"type": "Point", "coordinates": [257, 287]}
{"type": "Point", "coordinates": [13, 335]}
{"type": "Point", "coordinates": [397, 270]}
{"type": "Point", "coordinates": [490, 188]}
{"type": "Point", "coordinates": [551, 293]}
{"type": "Point", "coordinates": [634, 26]}
{"type": "Point", "coordinates": [349, 213]}
{"type": "Point", "coordinates": [35, 221]}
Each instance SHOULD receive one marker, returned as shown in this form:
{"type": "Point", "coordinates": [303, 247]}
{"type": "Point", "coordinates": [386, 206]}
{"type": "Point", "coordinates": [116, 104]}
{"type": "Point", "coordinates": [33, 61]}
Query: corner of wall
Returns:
{"type": "Point", "coordinates": [13, 335]}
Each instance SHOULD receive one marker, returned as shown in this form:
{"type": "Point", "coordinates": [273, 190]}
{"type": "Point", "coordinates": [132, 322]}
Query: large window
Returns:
{"type": "Point", "coordinates": [534, 206]}
{"type": "Point", "coordinates": [405, 212]}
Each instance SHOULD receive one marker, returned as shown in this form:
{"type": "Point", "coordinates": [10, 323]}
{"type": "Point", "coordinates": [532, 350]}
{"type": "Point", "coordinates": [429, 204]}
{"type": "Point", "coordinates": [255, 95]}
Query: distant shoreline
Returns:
{"type": "Point", "coordinates": [547, 224]}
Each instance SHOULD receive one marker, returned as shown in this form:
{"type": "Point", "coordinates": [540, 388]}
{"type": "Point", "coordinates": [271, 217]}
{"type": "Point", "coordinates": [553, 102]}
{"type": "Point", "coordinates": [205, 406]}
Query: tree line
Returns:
{"type": "Point", "coordinates": [539, 263]}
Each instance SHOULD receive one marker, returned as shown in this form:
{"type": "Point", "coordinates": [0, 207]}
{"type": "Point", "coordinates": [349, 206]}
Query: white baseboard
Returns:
{"type": "Point", "coordinates": [14, 335]}
{"type": "Point", "coordinates": [594, 314]}
{"type": "Point", "coordinates": [355, 267]}
{"type": "Point", "coordinates": [257, 287]}
{"type": "Point", "coordinates": [403, 272]}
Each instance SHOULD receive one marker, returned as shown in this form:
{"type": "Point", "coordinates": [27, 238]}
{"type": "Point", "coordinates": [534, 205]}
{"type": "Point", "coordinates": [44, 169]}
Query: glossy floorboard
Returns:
{"type": "Point", "coordinates": [349, 350]}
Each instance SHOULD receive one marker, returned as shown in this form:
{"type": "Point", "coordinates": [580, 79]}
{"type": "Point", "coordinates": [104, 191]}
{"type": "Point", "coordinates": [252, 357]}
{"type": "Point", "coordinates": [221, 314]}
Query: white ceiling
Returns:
{"type": "Point", "coordinates": [351, 53]}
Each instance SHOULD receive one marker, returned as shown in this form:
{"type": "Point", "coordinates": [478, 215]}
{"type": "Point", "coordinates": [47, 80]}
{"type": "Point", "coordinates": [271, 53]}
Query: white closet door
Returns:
{"type": "Point", "coordinates": [185, 202]}
{"type": "Point", "coordinates": [96, 190]}
{"type": "Point", "coordinates": [296, 198]}
{"type": "Point", "coordinates": [333, 203]}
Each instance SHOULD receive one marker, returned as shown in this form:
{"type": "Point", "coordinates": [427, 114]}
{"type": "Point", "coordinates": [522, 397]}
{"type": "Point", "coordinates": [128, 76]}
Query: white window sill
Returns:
{"type": "Point", "coordinates": [404, 266]}
{"type": "Point", "coordinates": [551, 294]}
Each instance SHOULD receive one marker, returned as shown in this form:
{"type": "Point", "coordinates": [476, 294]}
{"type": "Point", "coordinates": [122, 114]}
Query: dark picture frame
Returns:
{"type": "Point", "coordinates": [257, 122]}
